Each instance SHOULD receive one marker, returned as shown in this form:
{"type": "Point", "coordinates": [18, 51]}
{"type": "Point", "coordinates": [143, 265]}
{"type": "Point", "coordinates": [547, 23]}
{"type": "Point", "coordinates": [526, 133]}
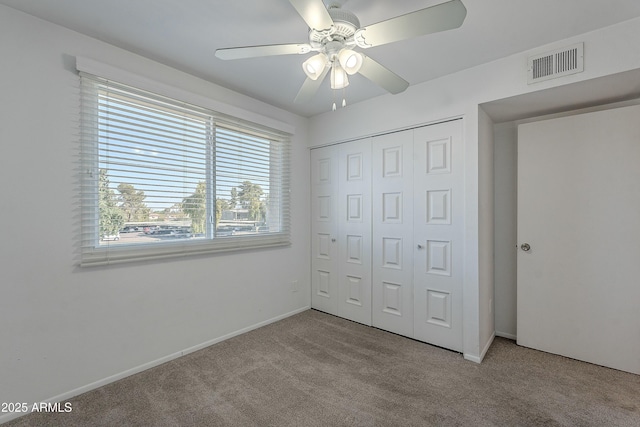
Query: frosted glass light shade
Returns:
{"type": "Point", "coordinates": [339, 79]}
{"type": "Point", "coordinates": [314, 66]}
{"type": "Point", "coordinates": [350, 60]}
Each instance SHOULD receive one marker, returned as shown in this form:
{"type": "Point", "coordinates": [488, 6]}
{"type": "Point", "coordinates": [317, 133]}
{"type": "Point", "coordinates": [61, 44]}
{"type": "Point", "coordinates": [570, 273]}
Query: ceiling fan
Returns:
{"type": "Point", "coordinates": [335, 33]}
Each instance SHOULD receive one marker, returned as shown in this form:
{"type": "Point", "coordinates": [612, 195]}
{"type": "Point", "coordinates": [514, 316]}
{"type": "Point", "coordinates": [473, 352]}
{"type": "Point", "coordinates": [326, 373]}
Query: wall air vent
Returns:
{"type": "Point", "coordinates": [557, 63]}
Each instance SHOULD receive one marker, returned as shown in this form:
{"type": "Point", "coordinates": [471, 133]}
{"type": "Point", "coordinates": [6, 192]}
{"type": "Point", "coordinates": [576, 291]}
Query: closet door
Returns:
{"type": "Point", "coordinates": [392, 193]}
{"type": "Point", "coordinates": [354, 231]}
{"type": "Point", "coordinates": [439, 234]}
{"type": "Point", "coordinates": [324, 229]}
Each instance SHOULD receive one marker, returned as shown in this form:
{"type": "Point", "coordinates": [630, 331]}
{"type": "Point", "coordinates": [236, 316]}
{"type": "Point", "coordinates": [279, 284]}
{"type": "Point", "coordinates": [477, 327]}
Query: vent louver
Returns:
{"type": "Point", "coordinates": [557, 63]}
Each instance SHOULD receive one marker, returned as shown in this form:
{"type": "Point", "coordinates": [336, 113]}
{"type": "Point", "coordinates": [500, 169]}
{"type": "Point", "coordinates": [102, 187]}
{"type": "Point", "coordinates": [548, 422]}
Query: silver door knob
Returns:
{"type": "Point", "coordinates": [420, 246]}
{"type": "Point", "coordinates": [525, 247]}
{"type": "Point", "coordinates": [333, 240]}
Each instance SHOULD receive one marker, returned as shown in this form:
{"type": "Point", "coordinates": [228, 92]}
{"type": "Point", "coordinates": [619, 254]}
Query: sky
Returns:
{"type": "Point", "coordinates": [165, 152]}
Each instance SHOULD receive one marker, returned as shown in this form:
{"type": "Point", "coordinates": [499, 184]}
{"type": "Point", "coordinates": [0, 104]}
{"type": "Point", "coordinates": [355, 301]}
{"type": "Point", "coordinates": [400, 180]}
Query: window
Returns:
{"type": "Point", "coordinates": [165, 178]}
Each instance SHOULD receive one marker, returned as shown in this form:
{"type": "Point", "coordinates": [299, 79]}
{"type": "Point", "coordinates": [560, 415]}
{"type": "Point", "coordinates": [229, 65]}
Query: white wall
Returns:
{"type": "Point", "coordinates": [66, 329]}
{"type": "Point", "coordinates": [485, 231]}
{"type": "Point", "coordinates": [505, 225]}
{"type": "Point", "coordinates": [607, 51]}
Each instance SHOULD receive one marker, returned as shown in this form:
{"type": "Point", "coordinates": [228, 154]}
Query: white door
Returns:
{"type": "Point", "coordinates": [579, 237]}
{"type": "Point", "coordinates": [354, 231]}
{"type": "Point", "coordinates": [324, 229]}
{"type": "Point", "coordinates": [438, 234]}
{"type": "Point", "coordinates": [392, 198]}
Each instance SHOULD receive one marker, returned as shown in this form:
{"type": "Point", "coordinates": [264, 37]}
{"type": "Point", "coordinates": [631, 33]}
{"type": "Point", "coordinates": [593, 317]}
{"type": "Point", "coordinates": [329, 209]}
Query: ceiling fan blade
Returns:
{"type": "Point", "coordinates": [314, 13]}
{"type": "Point", "coordinates": [382, 76]}
{"type": "Point", "coordinates": [310, 87]}
{"type": "Point", "coordinates": [441, 17]}
{"type": "Point", "coordinates": [265, 50]}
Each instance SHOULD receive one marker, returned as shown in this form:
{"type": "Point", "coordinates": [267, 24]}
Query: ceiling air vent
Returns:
{"type": "Point", "coordinates": [557, 63]}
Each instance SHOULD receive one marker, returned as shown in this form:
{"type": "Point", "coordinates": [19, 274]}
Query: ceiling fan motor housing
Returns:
{"type": "Point", "coordinates": [345, 21]}
{"type": "Point", "coordinates": [345, 26]}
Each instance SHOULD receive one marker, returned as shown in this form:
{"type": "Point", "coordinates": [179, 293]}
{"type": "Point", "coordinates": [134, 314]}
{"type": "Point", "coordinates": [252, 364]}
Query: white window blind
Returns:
{"type": "Point", "coordinates": [163, 178]}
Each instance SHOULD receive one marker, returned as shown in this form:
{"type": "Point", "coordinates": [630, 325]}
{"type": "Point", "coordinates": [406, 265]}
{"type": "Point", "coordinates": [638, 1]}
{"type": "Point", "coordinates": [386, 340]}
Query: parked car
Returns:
{"type": "Point", "coordinates": [111, 237]}
{"type": "Point", "coordinates": [172, 232]}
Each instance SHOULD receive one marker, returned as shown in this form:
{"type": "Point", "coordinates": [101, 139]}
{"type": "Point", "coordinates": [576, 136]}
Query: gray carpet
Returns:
{"type": "Point", "coordinates": [314, 369]}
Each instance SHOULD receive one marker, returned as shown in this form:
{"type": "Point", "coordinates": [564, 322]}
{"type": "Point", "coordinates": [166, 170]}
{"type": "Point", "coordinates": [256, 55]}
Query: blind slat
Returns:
{"type": "Point", "coordinates": [172, 168]}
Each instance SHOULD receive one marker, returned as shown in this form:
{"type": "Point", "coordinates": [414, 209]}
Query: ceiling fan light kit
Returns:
{"type": "Point", "coordinates": [335, 33]}
{"type": "Point", "coordinates": [350, 60]}
{"type": "Point", "coordinates": [339, 79]}
{"type": "Point", "coordinates": [314, 66]}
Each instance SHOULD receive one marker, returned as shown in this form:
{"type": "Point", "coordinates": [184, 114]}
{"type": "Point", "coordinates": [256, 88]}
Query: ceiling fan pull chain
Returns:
{"type": "Point", "coordinates": [333, 91]}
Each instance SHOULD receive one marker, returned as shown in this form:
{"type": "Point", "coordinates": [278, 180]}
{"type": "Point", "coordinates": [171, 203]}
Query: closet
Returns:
{"type": "Point", "coordinates": [388, 232]}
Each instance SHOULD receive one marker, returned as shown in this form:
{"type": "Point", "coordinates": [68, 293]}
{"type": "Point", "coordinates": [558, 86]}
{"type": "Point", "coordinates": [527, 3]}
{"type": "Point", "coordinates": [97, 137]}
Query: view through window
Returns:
{"type": "Point", "coordinates": [161, 171]}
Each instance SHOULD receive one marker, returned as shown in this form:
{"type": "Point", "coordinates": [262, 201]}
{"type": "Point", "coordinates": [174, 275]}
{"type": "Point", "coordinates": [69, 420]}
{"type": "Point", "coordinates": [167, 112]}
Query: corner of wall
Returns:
{"type": "Point", "coordinates": [486, 230]}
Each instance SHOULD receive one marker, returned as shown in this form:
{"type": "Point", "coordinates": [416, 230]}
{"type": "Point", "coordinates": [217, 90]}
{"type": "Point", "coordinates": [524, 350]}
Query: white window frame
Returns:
{"type": "Point", "coordinates": [93, 253]}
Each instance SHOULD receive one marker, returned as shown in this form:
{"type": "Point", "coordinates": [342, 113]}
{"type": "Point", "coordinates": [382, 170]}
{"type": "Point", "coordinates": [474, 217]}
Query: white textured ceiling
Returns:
{"type": "Point", "coordinates": [185, 34]}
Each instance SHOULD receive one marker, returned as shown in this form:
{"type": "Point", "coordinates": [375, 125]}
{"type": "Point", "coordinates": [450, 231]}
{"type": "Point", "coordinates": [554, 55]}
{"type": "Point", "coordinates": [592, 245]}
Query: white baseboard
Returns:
{"type": "Point", "coordinates": [506, 335]}
{"type": "Point", "coordinates": [94, 385]}
{"type": "Point", "coordinates": [486, 347]}
{"type": "Point", "coordinates": [478, 359]}
{"type": "Point", "coordinates": [471, 358]}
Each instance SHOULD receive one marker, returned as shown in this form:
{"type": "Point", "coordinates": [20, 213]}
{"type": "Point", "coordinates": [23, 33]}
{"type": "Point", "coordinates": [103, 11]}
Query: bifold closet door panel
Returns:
{"type": "Point", "coordinates": [438, 232]}
{"type": "Point", "coordinates": [324, 229]}
{"type": "Point", "coordinates": [392, 198]}
{"type": "Point", "coordinates": [354, 231]}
